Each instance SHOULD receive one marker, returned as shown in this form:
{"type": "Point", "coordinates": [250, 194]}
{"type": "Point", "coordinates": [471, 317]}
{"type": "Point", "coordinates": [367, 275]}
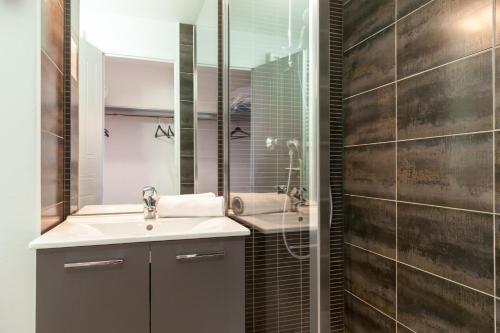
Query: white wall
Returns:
{"type": "Point", "coordinates": [207, 34]}
{"type": "Point", "coordinates": [139, 84]}
{"type": "Point", "coordinates": [20, 176]}
{"type": "Point", "coordinates": [129, 36]}
{"type": "Point", "coordinates": [134, 158]}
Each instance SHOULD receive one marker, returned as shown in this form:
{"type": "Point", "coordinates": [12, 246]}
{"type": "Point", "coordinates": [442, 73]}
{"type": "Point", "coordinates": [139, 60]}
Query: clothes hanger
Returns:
{"type": "Point", "coordinates": [160, 131]}
{"type": "Point", "coordinates": [238, 133]}
{"type": "Point", "coordinates": [170, 132]}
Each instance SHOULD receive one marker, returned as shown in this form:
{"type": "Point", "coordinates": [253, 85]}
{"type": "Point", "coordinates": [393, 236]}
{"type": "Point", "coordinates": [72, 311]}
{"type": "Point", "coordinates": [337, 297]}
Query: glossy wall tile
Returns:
{"type": "Point", "coordinates": [372, 278]}
{"type": "Point", "coordinates": [363, 18]}
{"type": "Point", "coordinates": [425, 42]}
{"type": "Point", "coordinates": [427, 303]}
{"type": "Point", "coordinates": [370, 117]}
{"type": "Point", "coordinates": [360, 317]}
{"type": "Point", "coordinates": [421, 166]}
{"type": "Point", "coordinates": [371, 224]}
{"type": "Point", "coordinates": [370, 64]}
{"type": "Point", "coordinates": [407, 6]}
{"type": "Point", "coordinates": [371, 170]}
{"type": "Point", "coordinates": [452, 99]}
{"type": "Point", "coordinates": [454, 171]}
{"type": "Point", "coordinates": [451, 243]}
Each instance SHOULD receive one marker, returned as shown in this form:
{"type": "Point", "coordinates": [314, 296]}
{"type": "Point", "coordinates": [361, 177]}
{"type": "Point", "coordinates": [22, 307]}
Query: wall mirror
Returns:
{"type": "Point", "coordinates": [148, 80]}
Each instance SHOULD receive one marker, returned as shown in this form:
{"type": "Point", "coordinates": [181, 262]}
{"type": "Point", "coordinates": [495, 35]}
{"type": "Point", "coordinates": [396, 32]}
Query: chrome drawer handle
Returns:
{"type": "Point", "coordinates": [199, 256]}
{"type": "Point", "coordinates": [94, 264]}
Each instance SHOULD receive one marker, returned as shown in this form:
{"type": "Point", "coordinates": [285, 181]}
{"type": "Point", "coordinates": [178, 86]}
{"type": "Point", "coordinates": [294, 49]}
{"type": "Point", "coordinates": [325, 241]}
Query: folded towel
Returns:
{"type": "Point", "coordinates": [258, 203]}
{"type": "Point", "coordinates": [208, 194]}
{"type": "Point", "coordinates": [190, 206]}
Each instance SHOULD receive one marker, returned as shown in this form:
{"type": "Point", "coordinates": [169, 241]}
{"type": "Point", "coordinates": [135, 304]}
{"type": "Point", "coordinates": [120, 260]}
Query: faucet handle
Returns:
{"type": "Point", "coordinates": [150, 198]}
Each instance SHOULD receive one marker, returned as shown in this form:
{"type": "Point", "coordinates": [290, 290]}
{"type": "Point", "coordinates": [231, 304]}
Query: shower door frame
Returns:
{"type": "Point", "coordinates": [319, 105]}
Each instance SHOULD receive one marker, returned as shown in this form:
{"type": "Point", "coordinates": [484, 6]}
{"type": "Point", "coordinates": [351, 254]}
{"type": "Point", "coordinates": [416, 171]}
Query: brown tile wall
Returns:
{"type": "Point", "coordinates": [421, 159]}
{"type": "Point", "coordinates": [186, 83]}
{"type": "Point", "coordinates": [59, 110]}
{"type": "Point", "coordinates": [52, 113]}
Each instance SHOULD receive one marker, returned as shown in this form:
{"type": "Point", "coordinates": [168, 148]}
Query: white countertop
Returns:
{"type": "Point", "coordinates": [132, 228]}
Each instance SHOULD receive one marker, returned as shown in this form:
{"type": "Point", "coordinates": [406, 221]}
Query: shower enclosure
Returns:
{"type": "Point", "coordinates": [278, 159]}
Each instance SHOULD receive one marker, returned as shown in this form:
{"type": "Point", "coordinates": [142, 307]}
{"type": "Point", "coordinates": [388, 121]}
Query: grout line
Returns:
{"type": "Point", "coordinates": [52, 61]}
{"type": "Point", "coordinates": [421, 270]}
{"type": "Point", "coordinates": [423, 137]}
{"type": "Point", "coordinates": [422, 72]}
{"type": "Point", "coordinates": [396, 151]}
{"type": "Point", "coordinates": [378, 310]}
{"type": "Point", "coordinates": [396, 20]}
{"type": "Point", "coordinates": [493, 64]}
{"type": "Point", "coordinates": [373, 307]}
{"type": "Point", "coordinates": [52, 134]}
{"type": "Point", "coordinates": [52, 206]}
{"type": "Point", "coordinates": [419, 204]}
{"type": "Point", "coordinates": [369, 37]}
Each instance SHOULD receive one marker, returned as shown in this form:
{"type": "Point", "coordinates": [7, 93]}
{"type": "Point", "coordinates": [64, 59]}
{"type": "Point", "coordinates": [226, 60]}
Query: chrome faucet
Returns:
{"type": "Point", "coordinates": [150, 198]}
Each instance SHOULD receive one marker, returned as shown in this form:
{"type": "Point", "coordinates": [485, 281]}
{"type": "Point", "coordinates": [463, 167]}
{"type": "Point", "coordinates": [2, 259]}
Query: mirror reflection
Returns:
{"type": "Point", "coordinates": [148, 101]}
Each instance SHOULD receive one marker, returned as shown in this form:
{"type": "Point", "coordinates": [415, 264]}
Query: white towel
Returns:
{"type": "Point", "coordinates": [203, 195]}
{"type": "Point", "coordinates": [258, 203]}
{"type": "Point", "coordinates": [190, 206]}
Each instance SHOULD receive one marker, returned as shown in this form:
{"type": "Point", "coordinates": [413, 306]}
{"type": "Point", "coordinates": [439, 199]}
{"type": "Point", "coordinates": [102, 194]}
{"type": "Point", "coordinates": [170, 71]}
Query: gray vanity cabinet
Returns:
{"type": "Point", "coordinates": [98, 289]}
{"type": "Point", "coordinates": [198, 286]}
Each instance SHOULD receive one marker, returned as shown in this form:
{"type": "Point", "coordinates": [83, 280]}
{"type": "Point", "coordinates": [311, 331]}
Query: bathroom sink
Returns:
{"type": "Point", "coordinates": [133, 228]}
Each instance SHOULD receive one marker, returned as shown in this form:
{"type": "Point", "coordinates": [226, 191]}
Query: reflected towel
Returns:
{"type": "Point", "coordinates": [190, 206]}
{"type": "Point", "coordinates": [258, 203]}
{"type": "Point", "coordinates": [208, 194]}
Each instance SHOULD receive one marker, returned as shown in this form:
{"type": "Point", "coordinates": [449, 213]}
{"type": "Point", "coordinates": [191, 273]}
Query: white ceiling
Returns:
{"type": "Point", "coordinates": [184, 11]}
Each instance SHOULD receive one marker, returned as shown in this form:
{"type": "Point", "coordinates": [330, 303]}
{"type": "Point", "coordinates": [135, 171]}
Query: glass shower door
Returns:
{"type": "Point", "coordinates": [273, 176]}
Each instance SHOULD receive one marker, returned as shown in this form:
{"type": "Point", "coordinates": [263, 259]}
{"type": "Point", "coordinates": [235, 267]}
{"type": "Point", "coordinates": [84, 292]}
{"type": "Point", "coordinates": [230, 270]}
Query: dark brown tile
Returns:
{"type": "Point", "coordinates": [187, 142]}
{"type": "Point", "coordinates": [497, 88]}
{"type": "Point", "coordinates": [187, 114]}
{"type": "Point", "coordinates": [361, 318]}
{"type": "Point", "coordinates": [52, 169]}
{"type": "Point", "coordinates": [403, 329]}
{"type": "Point", "coordinates": [363, 18]}
{"type": "Point", "coordinates": [371, 224]}
{"type": "Point", "coordinates": [186, 34]}
{"type": "Point", "coordinates": [449, 171]}
{"type": "Point", "coordinates": [187, 188]}
{"type": "Point", "coordinates": [497, 252]}
{"type": "Point", "coordinates": [430, 304]}
{"type": "Point", "coordinates": [424, 41]}
{"type": "Point", "coordinates": [52, 216]}
{"type": "Point", "coordinates": [497, 33]}
{"type": "Point", "coordinates": [406, 6]}
{"type": "Point", "coordinates": [371, 170]}
{"type": "Point", "coordinates": [53, 31]}
{"type": "Point", "coordinates": [186, 58]}
{"type": "Point", "coordinates": [456, 98]}
{"type": "Point", "coordinates": [75, 138]}
{"type": "Point", "coordinates": [450, 243]}
{"type": "Point", "coordinates": [187, 169]}
{"type": "Point", "coordinates": [370, 64]}
{"type": "Point", "coordinates": [371, 117]}
{"type": "Point", "coordinates": [186, 87]}
{"type": "Point", "coordinates": [497, 173]}
{"type": "Point", "coordinates": [52, 86]}
{"type": "Point", "coordinates": [371, 278]}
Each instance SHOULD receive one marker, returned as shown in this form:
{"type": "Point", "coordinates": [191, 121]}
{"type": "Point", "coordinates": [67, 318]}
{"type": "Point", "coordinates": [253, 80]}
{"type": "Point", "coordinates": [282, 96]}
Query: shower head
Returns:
{"type": "Point", "coordinates": [293, 145]}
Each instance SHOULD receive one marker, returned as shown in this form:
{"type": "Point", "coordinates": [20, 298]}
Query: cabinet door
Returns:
{"type": "Point", "coordinates": [198, 286]}
{"type": "Point", "coordinates": [98, 289]}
